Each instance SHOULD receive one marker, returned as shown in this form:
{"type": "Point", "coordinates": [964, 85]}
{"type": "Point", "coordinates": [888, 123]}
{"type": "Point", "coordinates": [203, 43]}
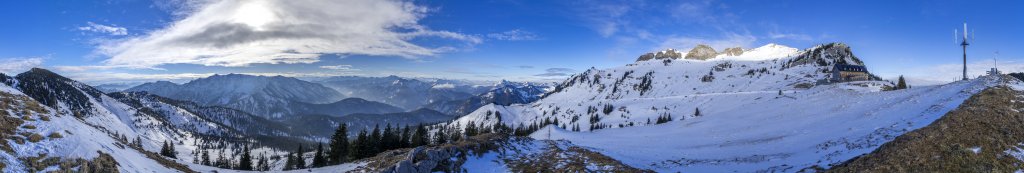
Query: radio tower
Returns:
{"type": "Point", "coordinates": [963, 43]}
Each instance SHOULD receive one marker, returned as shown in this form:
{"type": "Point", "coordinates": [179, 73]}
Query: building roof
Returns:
{"type": "Point", "coordinates": [853, 68]}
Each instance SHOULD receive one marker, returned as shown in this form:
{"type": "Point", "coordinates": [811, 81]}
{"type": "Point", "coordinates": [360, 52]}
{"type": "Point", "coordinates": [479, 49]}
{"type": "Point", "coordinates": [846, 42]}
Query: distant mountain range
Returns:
{"type": "Point", "coordinates": [408, 94]}
{"type": "Point", "coordinates": [266, 96]}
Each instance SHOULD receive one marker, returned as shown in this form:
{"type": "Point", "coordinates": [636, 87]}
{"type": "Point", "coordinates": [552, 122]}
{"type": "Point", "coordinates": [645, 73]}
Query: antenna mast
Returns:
{"type": "Point", "coordinates": [964, 45]}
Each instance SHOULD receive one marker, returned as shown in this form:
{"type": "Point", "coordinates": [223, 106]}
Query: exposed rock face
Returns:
{"type": "Point", "coordinates": [666, 54]}
{"type": "Point", "coordinates": [701, 52]}
{"type": "Point", "coordinates": [826, 55]}
{"type": "Point", "coordinates": [735, 51]}
{"type": "Point", "coordinates": [645, 57]}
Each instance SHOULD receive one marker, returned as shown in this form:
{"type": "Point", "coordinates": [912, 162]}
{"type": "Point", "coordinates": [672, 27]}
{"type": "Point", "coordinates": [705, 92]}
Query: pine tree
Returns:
{"type": "Point", "coordinates": [339, 145]}
{"type": "Point", "coordinates": [167, 150]}
{"type": "Point", "coordinates": [440, 137]}
{"type": "Point", "coordinates": [260, 163]}
{"type": "Point", "coordinates": [901, 84]}
{"type": "Point", "coordinates": [264, 166]}
{"type": "Point", "coordinates": [374, 142]}
{"type": "Point", "coordinates": [300, 162]}
{"type": "Point", "coordinates": [403, 139]}
{"type": "Point", "coordinates": [318, 158]}
{"type": "Point", "coordinates": [173, 154]}
{"type": "Point", "coordinates": [289, 162]}
{"type": "Point", "coordinates": [420, 137]}
{"type": "Point", "coordinates": [245, 162]}
{"type": "Point", "coordinates": [206, 157]}
{"type": "Point", "coordinates": [387, 140]}
{"type": "Point", "coordinates": [357, 150]}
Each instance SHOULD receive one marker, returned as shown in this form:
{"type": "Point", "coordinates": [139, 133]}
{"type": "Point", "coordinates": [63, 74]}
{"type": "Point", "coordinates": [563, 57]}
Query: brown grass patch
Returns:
{"type": "Point", "coordinates": [988, 121]}
{"type": "Point", "coordinates": [54, 135]}
{"type": "Point", "coordinates": [35, 137]}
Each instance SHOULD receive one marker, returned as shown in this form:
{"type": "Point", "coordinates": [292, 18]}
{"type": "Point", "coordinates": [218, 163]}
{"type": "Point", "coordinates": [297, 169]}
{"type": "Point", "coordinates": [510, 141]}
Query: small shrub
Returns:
{"type": "Point", "coordinates": [26, 118]}
{"type": "Point", "coordinates": [55, 135]}
{"type": "Point", "coordinates": [44, 118]}
{"type": "Point", "coordinates": [35, 137]}
{"type": "Point", "coordinates": [29, 127]}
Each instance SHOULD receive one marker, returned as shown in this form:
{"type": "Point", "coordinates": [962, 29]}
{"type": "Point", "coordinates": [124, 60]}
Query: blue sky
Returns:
{"type": "Point", "coordinates": [141, 40]}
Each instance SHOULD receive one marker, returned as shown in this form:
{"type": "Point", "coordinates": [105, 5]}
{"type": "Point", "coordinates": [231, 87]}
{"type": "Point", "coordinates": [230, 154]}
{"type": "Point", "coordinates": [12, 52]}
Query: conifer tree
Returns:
{"type": "Point", "coordinates": [245, 162]}
{"type": "Point", "coordinates": [420, 137]}
{"type": "Point", "coordinates": [374, 142]}
{"type": "Point", "coordinates": [261, 162]}
{"type": "Point", "coordinates": [339, 145]}
{"type": "Point", "coordinates": [300, 162]}
{"type": "Point", "coordinates": [440, 137]}
{"type": "Point", "coordinates": [318, 158]}
{"type": "Point", "coordinates": [357, 150]}
{"type": "Point", "coordinates": [901, 84]}
{"type": "Point", "coordinates": [206, 157]}
{"type": "Point", "coordinates": [403, 139]}
{"type": "Point", "coordinates": [289, 163]}
{"type": "Point", "coordinates": [263, 165]}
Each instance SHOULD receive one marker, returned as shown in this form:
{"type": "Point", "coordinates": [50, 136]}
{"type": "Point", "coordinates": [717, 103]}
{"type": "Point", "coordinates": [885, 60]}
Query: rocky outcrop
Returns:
{"type": "Point", "coordinates": [666, 54]}
{"type": "Point", "coordinates": [445, 158]}
{"type": "Point", "coordinates": [645, 57]}
{"type": "Point", "coordinates": [735, 51]}
{"type": "Point", "coordinates": [701, 52]}
{"type": "Point", "coordinates": [826, 55]}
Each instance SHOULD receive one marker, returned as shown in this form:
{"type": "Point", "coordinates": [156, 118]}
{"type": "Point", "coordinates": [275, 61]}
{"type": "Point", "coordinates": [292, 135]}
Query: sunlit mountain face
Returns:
{"type": "Point", "coordinates": [510, 86]}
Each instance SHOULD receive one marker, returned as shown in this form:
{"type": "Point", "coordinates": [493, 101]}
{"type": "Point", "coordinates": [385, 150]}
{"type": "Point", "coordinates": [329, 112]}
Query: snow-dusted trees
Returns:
{"type": "Point", "coordinates": [245, 162]}
{"type": "Point", "coordinates": [319, 158]}
{"type": "Point", "coordinates": [300, 161]}
{"type": "Point", "coordinates": [167, 150]}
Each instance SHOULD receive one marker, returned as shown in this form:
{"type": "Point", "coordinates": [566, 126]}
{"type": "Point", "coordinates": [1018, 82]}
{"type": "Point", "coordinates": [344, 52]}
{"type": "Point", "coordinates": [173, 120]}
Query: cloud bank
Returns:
{"type": "Point", "coordinates": [13, 66]}
{"type": "Point", "coordinates": [112, 30]}
{"type": "Point", "coordinates": [239, 33]}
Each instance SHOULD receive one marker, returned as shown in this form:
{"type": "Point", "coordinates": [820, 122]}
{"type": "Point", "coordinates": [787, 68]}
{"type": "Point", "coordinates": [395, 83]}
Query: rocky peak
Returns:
{"type": "Point", "coordinates": [826, 55]}
{"type": "Point", "coordinates": [735, 51]}
{"type": "Point", "coordinates": [701, 52]}
{"type": "Point", "coordinates": [666, 54]}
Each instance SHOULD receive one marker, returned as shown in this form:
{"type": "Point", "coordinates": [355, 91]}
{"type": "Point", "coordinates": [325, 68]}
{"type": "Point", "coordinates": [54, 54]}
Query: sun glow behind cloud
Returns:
{"type": "Point", "coordinates": [240, 33]}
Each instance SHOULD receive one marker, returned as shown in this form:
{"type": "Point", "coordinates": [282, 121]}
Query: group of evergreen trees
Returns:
{"type": "Point", "coordinates": [245, 160]}
{"type": "Point", "coordinates": [167, 150]}
{"type": "Point", "coordinates": [366, 144]}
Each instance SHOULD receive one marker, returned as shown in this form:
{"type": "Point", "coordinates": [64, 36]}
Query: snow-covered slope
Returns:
{"type": "Point", "coordinates": [125, 129]}
{"type": "Point", "coordinates": [771, 108]}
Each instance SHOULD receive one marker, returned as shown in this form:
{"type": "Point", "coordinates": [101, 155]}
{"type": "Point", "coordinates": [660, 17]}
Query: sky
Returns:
{"type": "Point", "coordinates": [126, 41]}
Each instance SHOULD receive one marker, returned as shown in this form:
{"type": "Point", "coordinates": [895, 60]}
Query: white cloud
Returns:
{"type": "Point", "coordinates": [791, 36]}
{"type": "Point", "coordinates": [239, 33]}
{"type": "Point", "coordinates": [726, 41]}
{"type": "Point", "coordinates": [12, 66]}
{"type": "Point", "coordinates": [112, 30]}
{"type": "Point", "coordinates": [551, 72]}
{"type": "Point", "coordinates": [514, 35]}
{"type": "Point", "coordinates": [340, 67]}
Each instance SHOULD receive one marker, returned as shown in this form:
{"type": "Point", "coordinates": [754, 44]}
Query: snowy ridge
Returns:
{"type": "Point", "coordinates": [755, 113]}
